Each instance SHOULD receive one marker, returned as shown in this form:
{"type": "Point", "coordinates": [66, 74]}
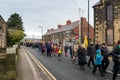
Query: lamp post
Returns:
{"type": "Point", "coordinates": [42, 30]}
{"type": "Point", "coordinates": [88, 22]}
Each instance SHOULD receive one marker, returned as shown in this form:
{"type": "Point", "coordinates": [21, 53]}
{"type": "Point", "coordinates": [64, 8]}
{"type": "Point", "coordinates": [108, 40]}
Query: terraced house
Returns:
{"type": "Point", "coordinates": [107, 21]}
{"type": "Point", "coordinates": [69, 32]}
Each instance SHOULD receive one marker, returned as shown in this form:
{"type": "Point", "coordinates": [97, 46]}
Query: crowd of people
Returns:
{"type": "Point", "coordinates": [98, 55]}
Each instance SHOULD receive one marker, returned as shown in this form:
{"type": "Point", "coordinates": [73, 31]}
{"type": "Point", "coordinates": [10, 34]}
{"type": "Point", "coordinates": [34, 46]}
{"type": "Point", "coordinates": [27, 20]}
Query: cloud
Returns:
{"type": "Point", "coordinates": [46, 13]}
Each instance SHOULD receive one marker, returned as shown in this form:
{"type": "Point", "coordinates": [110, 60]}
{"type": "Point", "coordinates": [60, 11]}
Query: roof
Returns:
{"type": "Point", "coordinates": [97, 4]}
{"type": "Point", "coordinates": [2, 18]}
{"type": "Point", "coordinates": [64, 28]}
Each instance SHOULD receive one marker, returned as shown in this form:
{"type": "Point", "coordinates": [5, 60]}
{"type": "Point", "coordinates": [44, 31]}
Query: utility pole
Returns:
{"type": "Point", "coordinates": [80, 25]}
{"type": "Point", "coordinates": [88, 22]}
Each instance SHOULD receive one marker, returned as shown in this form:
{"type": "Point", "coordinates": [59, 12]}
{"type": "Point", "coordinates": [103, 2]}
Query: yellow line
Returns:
{"type": "Point", "coordinates": [35, 75]}
{"type": "Point", "coordinates": [40, 65]}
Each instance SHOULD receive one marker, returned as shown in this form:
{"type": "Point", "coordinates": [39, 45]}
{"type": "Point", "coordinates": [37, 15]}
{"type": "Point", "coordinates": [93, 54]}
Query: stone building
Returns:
{"type": "Point", "coordinates": [69, 32]}
{"type": "Point", "coordinates": [107, 21]}
{"type": "Point", "coordinates": [2, 37]}
{"type": "Point", "coordinates": [7, 55]}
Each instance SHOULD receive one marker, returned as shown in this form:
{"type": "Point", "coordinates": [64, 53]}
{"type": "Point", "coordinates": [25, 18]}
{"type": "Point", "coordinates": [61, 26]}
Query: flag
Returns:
{"type": "Point", "coordinates": [85, 42]}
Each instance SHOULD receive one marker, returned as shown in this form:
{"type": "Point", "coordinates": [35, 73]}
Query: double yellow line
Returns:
{"type": "Point", "coordinates": [50, 76]}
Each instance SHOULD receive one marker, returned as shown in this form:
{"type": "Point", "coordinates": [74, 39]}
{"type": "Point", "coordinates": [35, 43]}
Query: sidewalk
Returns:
{"type": "Point", "coordinates": [24, 71]}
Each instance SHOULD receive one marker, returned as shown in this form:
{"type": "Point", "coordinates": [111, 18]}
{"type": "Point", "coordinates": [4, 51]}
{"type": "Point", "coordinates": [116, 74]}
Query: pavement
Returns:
{"type": "Point", "coordinates": [24, 71]}
{"type": "Point", "coordinates": [28, 68]}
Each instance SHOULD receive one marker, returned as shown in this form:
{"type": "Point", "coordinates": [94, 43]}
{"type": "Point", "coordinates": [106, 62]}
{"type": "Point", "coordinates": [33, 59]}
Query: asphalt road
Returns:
{"type": "Point", "coordinates": [66, 70]}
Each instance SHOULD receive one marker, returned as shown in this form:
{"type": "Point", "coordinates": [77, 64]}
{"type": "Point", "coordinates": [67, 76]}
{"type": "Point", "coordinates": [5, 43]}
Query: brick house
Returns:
{"type": "Point", "coordinates": [2, 37]}
{"type": "Point", "coordinates": [69, 32]}
{"type": "Point", "coordinates": [107, 21]}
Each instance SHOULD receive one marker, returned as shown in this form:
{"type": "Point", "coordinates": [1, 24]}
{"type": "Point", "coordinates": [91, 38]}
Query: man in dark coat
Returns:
{"type": "Point", "coordinates": [49, 48]}
{"type": "Point", "coordinates": [90, 53]}
{"type": "Point", "coordinates": [97, 45]}
{"type": "Point", "coordinates": [116, 60]}
{"type": "Point", "coordinates": [105, 61]}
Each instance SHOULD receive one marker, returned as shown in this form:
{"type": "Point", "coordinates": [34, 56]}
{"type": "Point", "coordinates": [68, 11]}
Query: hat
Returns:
{"type": "Point", "coordinates": [98, 51]}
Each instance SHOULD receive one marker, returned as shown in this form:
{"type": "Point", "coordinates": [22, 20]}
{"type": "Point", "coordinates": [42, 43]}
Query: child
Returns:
{"type": "Point", "coordinates": [60, 53]}
{"type": "Point", "coordinates": [98, 62]}
{"type": "Point", "coordinates": [55, 49]}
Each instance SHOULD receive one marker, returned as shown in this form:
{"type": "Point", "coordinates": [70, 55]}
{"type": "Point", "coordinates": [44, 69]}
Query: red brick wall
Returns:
{"type": "Point", "coordinates": [85, 29]}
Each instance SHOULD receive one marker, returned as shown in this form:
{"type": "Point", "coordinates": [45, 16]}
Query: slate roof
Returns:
{"type": "Point", "coordinates": [64, 28]}
{"type": "Point", "coordinates": [97, 4]}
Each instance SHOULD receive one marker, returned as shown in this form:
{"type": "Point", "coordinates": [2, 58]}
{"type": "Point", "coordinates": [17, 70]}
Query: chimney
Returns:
{"type": "Point", "coordinates": [48, 30]}
{"type": "Point", "coordinates": [83, 19]}
{"type": "Point", "coordinates": [52, 29]}
{"type": "Point", "coordinates": [59, 26]}
{"type": "Point", "coordinates": [68, 22]}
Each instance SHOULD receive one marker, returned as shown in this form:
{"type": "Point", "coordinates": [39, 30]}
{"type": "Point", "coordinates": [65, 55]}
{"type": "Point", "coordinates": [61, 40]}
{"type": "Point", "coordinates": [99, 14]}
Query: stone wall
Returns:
{"type": "Point", "coordinates": [8, 65]}
{"type": "Point", "coordinates": [117, 23]}
{"type": "Point", "coordinates": [101, 22]}
{"type": "Point", "coordinates": [2, 69]}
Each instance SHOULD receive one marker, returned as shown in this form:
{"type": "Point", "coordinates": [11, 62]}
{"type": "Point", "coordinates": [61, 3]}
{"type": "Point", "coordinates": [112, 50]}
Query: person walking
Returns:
{"type": "Point", "coordinates": [98, 63]}
{"type": "Point", "coordinates": [55, 49]}
{"type": "Point", "coordinates": [66, 50]}
{"type": "Point", "coordinates": [71, 51]}
{"type": "Point", "coordinates": [74, 58]}
{"type": "Point", "coordinates": [116, 60]}
{"type": "Point", "coordinates": [97, 45]}
{"type": "Point", "coordinates": [43, 48]}
{"type": "Point", "coordinates": [81, 57]}
{"type": "Point", "coordinates": [105, 54]}
{"type": "Point", "coordinates": [49, 48]}
{"type": "Point", "coordinates": [59, 52]}
{"type": "Point", "coordinates": [90, 53]}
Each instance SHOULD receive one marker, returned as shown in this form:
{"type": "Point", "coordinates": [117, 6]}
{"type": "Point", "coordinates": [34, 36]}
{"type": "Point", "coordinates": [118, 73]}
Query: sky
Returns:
{"type": "Point", "coordinates": [45, 13]}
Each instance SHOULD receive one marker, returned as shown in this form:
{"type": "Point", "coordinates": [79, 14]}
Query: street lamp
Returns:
{"type": "Point", "coordinates": [42, 30]}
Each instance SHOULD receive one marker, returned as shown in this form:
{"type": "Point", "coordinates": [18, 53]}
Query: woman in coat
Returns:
{"type": "Point", "coordinates": [82, 57]}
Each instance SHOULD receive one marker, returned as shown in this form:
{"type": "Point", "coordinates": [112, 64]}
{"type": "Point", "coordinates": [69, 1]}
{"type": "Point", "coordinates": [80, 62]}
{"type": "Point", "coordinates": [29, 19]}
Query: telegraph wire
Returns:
{"type": "Point", "coordinates": [75, 3]}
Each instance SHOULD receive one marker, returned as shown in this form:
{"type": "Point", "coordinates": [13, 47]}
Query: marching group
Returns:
{"type": "Point", "coordinates": [98, 55]}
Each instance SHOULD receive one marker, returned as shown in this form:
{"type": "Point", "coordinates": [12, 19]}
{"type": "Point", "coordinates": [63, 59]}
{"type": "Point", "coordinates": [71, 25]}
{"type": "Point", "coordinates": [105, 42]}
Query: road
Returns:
{"type": "Point", "coordinates": [66, 70]}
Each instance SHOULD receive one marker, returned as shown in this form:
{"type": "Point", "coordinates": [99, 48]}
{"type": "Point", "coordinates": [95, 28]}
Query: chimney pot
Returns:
{"type": "Point", "coordinates": [48, 30]}
{"type": "Point", "coordinates": [68, 22]}
{"type": "Point", "coordinates": [59, 26]}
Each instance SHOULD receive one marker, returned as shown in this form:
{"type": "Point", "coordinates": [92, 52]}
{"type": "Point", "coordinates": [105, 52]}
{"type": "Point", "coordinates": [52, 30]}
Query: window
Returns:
{"type": "Point", "coordinates": [109, 12]}
{"type": "Point", "coordinates": [110, 36]}
{"type": "Point", "coordinates": [61, 35]}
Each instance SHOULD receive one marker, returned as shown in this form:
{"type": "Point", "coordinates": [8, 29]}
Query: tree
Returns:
{"type": "Point", "coordinates": [15, 22]}
{"type": "Point", "coordinates": [14, 36]}
{"type": "Point", "coordinates": [15, 31]}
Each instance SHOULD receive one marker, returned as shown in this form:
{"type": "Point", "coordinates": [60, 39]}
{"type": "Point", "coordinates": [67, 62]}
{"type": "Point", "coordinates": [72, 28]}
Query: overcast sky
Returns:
{"type": "Point", "coordinates": [46, 13]}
